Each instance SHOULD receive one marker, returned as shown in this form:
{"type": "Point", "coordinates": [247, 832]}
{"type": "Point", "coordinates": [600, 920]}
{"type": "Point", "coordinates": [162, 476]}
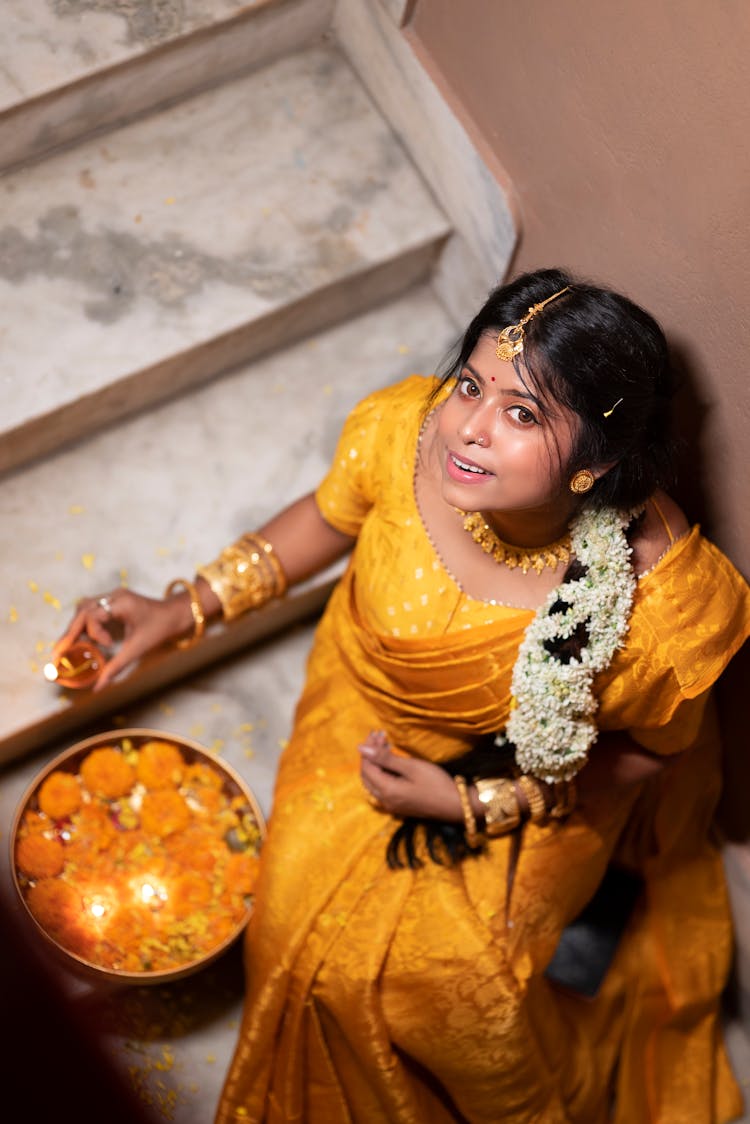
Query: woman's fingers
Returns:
{"type": "Point", "coordinates": [112, 668]}
{"type": "Point", "coordinates": [90, 618]}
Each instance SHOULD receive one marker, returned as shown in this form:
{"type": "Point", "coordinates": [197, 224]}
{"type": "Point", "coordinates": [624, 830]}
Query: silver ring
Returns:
{"type": "Point", "coordinates": [105, 603]}
{"type": "Point", "coordinates": [479, 440]}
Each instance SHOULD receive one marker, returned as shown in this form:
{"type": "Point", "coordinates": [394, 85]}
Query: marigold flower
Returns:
{"type": "Point", "coordinates": [199, 775]}
{"type": "Point", "coordinates": [56, 905]}
{"type": "Point", "coordinates": [189, 892]}
{"type": "Point", "coordinates": [241, 872]}
{"type": "Point", "coordinates": [39, 857]}
{"type": "Point", "coordinates": [160, 765]}
{"type": "Point", "coordinates": [105, 772]}
{"type": "Point", "coordinates": [60, 795]}
{"type": "Point", "coordinates": [163, 812]}
{"type": "Point", "coordinates": [154, 863]}
{"type": "Point", "coordinates": [197, 847]}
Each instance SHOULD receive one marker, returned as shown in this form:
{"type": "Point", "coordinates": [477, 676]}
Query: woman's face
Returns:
{"type": "Point", "coordinates": [499, 451]}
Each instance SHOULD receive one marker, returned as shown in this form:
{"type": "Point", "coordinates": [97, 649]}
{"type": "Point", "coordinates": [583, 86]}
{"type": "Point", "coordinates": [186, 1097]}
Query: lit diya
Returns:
{"type": "Point", "coordinates": [135, 854]}
{"type": "Point", "coordinates": [78, 666]}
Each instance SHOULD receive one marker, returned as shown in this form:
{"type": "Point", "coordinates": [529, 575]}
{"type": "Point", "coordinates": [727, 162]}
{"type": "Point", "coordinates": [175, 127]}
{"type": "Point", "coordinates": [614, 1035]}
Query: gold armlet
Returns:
{"type": "Point", "coordinates": [534, 793]}
{"type": "Point", "coordinates": [199, 619]}
{"type": "Point", "coordinates": [245, 576]}
{"type": "Point", "coordinates": [473, 837]}
{"type": "Point", "coordinates": [502, 812]}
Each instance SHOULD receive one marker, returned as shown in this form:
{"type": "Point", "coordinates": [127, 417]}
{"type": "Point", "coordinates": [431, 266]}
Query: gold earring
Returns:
{"type": "Point", "coordinates": [582, 482]}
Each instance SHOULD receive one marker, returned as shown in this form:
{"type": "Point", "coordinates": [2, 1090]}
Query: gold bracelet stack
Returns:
{"type": "Point", "coordinates": [502, 811]}
{"type": "Point", "coordinates": [245, 576]}
{"type": "Point", "coordinates": [532, 790]}
{"type": "Point", "coordinates": [473, 837]}
{"type": "Point", "coordinates": [199, 619]}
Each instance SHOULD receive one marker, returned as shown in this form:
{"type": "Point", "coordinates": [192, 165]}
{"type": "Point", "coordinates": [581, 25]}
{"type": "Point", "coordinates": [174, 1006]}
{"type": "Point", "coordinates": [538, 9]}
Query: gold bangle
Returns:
{"type": "Point", "coordinates": [199, 618]}
{"type": "Point", "coordinates": [245, 576]}
{"type": "Point", "coordinates": [473, 837]}
{"type": "Point", "coordinates": [534, 798]}
{"type": "Point", "coordinates": [502, 812]}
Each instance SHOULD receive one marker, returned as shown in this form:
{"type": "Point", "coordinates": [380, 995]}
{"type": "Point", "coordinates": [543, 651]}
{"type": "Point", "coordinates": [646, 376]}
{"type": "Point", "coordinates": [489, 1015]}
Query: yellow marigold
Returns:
{"type": "Point", "coordinates": [160, 765]}
{"type": "Point", "coordinates": [60, 795]}
{"type": "Point", "coordinates": [39, 857]}
{"type": "Point", "coordinates": [163, 812]}
{"type": "Point", "coordinates": [105, 772]}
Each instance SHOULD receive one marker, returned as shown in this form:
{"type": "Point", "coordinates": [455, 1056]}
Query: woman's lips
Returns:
{"type": "Point", "coordinates": [464, 470]}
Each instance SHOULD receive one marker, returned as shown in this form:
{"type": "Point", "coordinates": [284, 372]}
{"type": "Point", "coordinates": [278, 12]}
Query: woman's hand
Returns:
{"type": "Point", "coordinates": [145, 623]}
{"type": "Point", "coordinates": [407, 786]}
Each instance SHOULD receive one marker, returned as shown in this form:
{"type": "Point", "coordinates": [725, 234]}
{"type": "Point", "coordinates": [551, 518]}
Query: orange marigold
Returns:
{"type": "Point", "coordinates": [163, 812]}
{"type": "Point", "coordinates": [34, 822]}
{"type": "Point", "coordinates": [241, 872]}
{"type": "Point", "coordinates": [91, 830]}
{"type": "Point", "coordinates": [39, 857]}
{"type": "Point", "coordinates": [56, 905]}
{"type": "Point", "coordinates": [199, 775]}
{"type": "Point", "coordinates": [189, 891]}
{"type": "Point", "coordinates": [196, 847]}
{"type": "Point", "coordinates": [60, 795]}
{"type": "Point", "coordinates": [160, 765]}
{"type": "Point", "coordinates": [105, 772]}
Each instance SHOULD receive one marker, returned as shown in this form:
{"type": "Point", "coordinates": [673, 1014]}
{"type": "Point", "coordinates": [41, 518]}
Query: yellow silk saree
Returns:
{"type": "Point", "coordinates": [418, 996]}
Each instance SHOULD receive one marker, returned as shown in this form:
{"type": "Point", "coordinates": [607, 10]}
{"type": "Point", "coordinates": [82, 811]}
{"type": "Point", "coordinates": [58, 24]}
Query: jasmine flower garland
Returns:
{"type": "Point", "coordinates": [552, 724]}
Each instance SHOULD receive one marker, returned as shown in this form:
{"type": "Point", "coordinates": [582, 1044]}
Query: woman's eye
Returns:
{"type": "Point", "coordinates": [522, 415]}
{"type": "Point", "coordinates": [469, 387]}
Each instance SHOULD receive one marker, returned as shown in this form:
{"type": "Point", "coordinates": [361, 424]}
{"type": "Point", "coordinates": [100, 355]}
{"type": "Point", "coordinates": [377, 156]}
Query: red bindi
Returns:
{"type": "Point", "coordinates": [492, 378]}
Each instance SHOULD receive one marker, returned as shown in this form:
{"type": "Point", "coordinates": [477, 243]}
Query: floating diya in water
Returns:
{"type": "Point", "coordinates": [78, 666]}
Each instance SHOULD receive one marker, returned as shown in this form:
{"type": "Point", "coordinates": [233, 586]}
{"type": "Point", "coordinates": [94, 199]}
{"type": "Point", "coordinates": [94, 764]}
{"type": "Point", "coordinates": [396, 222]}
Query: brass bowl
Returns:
{"type": "Point", "coordinates": [145, 885]}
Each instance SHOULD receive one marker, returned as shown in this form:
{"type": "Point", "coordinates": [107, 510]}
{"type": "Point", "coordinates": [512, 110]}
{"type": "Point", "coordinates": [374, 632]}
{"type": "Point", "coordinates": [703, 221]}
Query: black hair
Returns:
{"type": "Point", "coordinates": [596, 353]}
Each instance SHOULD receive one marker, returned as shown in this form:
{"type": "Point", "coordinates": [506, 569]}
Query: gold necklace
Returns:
{"type": "Point", "coordinates": [527, 558]}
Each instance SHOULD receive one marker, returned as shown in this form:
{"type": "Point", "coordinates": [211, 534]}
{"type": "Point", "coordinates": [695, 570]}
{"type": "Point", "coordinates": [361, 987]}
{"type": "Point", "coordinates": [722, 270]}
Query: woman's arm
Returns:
{"type": "Point", "coordinates": [303, 543]}
{"type": "Point", "coordinates": [408, 786]}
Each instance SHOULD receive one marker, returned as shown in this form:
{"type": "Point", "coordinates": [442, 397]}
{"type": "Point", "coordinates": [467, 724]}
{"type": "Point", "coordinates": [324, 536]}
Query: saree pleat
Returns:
{"type": "Point", "coordinates": [380, 996]}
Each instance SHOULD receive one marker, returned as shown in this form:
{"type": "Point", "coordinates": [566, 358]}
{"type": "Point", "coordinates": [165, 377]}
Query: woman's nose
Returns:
{"type": "Point", "coordinates": [475, 430]}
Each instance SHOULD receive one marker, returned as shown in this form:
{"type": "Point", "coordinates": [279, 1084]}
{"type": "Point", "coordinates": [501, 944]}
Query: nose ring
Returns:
{"type": "Point", "coordinates": [479, 440]}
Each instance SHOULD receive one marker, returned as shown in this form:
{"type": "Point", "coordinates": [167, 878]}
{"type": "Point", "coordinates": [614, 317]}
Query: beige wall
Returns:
{"type": "Point", "coordinates": [624, 128]}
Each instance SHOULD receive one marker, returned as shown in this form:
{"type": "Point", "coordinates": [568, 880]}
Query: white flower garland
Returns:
{"type": "Point", "coordinates": [551, 725]}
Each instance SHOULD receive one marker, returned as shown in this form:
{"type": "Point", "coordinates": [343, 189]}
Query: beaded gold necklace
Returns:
{"type": "Point", "coordinates": [525, 558]}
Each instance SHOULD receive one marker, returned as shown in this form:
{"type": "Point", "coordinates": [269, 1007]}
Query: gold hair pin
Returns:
{"type": "Point", "coordinates": [609, 413]}
{"type": "Point", "coordinates": [510, 340]}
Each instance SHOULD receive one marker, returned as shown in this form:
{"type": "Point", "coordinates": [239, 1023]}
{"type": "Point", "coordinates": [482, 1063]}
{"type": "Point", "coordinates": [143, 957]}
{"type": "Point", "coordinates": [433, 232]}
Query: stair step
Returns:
{"type": "Point", "coordinates": [73, 68]}
{"type": "Point", "coordinates": [164, 491]}
{"type": "Point", "coordinates": [142, 263]}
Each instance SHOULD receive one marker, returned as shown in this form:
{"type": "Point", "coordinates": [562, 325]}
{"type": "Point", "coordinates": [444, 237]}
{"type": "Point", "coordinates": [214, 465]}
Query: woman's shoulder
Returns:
{"type": "Point", "coordinates": [692, 606]}
{"type": "Point", "coordinates": [662, 525]}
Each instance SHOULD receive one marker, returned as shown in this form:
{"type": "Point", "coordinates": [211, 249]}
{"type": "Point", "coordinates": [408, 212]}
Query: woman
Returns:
{"type": "Point", "coordinates": [509, 692]}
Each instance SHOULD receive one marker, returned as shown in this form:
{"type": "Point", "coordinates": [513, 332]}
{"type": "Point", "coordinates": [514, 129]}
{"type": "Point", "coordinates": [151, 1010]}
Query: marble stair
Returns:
{"type": "Point", "coordinates": [197, 282]}
{"type": "Point", "coordinates": [211, 246]}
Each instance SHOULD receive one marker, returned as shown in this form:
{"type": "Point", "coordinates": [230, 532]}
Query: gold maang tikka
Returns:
{"type": "Point", "coordinates": [510, 340]}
